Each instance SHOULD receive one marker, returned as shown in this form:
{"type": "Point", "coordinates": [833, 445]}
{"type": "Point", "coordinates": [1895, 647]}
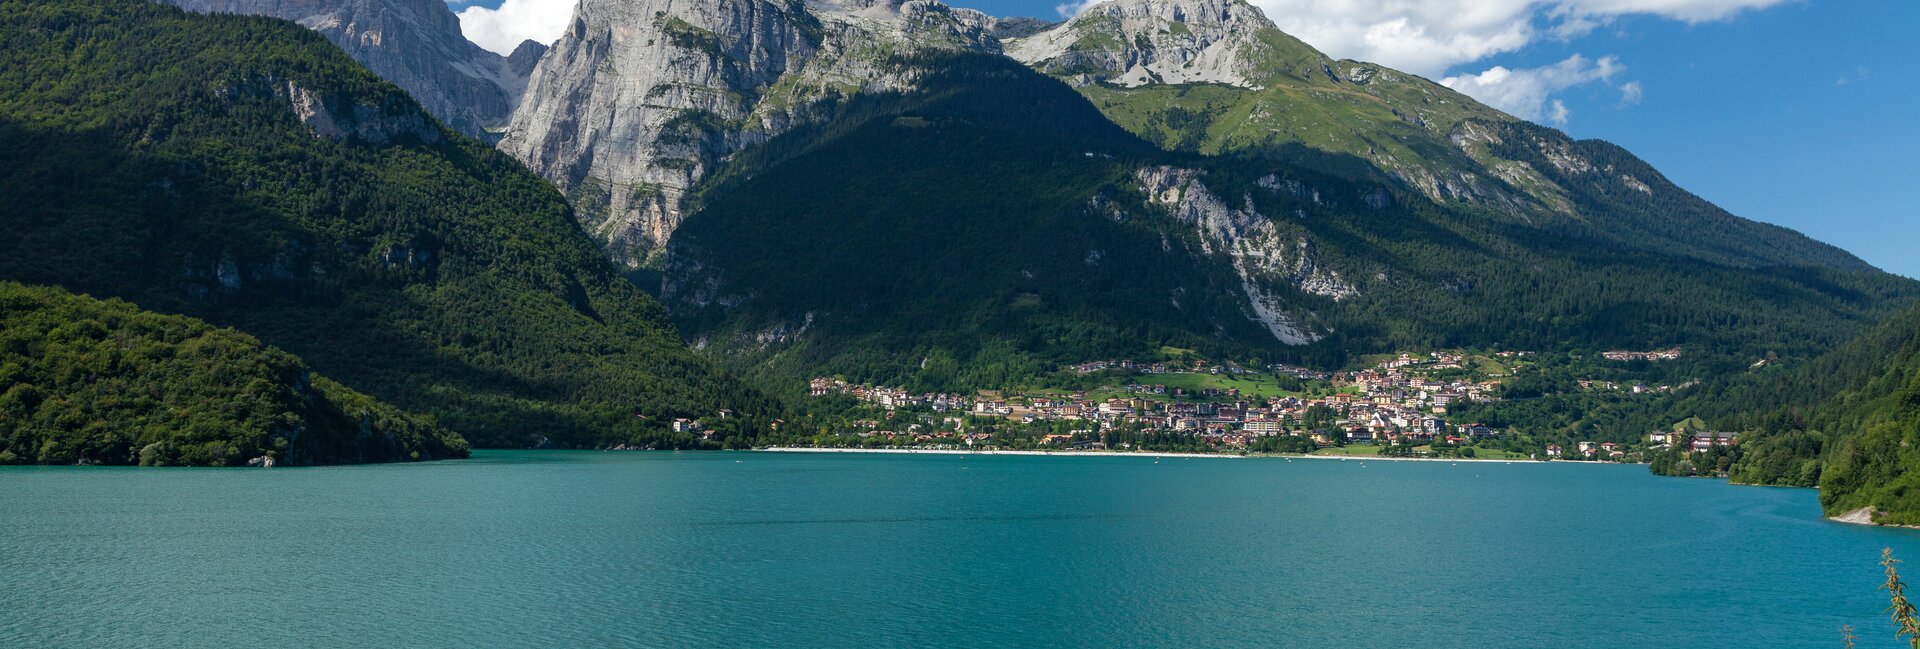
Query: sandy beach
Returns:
{"type": "Point", "coordinates": [916, 451]}
{"type": "Point", "coordinates": [1378, 458]}
{"type": "Point", "coordinates": [1348, 458]}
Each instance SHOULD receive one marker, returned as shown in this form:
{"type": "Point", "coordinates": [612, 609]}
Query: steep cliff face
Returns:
{"type": "Point", "coordinates": [640, 100]}
{"type": "Point", "coordinates": [342, 118]}
{"type": "Point", "coordinates": [416, 44]}
{"type": "Point", "coordinates": [1267, 260]}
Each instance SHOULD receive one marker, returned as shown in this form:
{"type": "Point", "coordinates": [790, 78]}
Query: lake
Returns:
{"type": "Point", "coordinates": [591, 549]}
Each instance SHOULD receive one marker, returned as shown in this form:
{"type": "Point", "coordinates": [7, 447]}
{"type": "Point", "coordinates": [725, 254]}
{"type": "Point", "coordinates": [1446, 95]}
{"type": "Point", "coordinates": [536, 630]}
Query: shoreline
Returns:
{"type": "Point", "coordinates": [1864, 517]}
{"type": "Point", "coordinates": [1421, 459]}
{"type": "Point", "coordinates": [929, 451]}
{"type": "Point", "coordinates": [1360, 458]}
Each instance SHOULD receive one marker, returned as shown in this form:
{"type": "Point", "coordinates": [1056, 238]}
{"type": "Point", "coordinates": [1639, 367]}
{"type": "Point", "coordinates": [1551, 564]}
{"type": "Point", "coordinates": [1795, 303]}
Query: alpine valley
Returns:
{"type": "Point", "coordinates": [655, 231]}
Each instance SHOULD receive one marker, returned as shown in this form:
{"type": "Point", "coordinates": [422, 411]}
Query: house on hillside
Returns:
{"type": "Point", "coordinates": [1706, 441]}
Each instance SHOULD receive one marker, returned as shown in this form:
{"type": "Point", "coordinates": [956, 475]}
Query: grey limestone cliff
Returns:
{"type": "Point", "coordinates": [639, 101]}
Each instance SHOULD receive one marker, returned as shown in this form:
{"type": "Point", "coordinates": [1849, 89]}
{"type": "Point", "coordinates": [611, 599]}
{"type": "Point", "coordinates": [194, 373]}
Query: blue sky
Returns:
{"type": "Point", "coordinates": [1804, 113]}
{"type": "Point", "coordinates": [1801, 115]}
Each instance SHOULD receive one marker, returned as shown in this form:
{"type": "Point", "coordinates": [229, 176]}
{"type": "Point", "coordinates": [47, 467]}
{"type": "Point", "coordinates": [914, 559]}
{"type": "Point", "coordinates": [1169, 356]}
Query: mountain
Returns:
{"type": "Point", "coordinates": [416, 44]}
{"type": "Point", "coordinates": [989, 225]}
{"type": "Point", "coordinates": [103, 382]}
{"type": "Point", "coordinates": [244, 171]}
{"type": "Point", "coordinates": [1326, 247]}
{"type": "Point", "coordinates": [640, 100]}
{"type": "Point", "coordinates": [1216, 77]}
{"type": "Point", "coordinates": [1139, 43]}
{"type": "Point", "coordinates": [875, 189]}
{"type": "Point", "coordinates": [980, 232]}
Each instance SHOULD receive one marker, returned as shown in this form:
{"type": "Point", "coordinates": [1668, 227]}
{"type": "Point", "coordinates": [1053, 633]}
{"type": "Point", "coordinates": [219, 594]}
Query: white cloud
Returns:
{"type": "Point", "coordinates": [1430, 37]}
{"type": "Point", "coordinates": [1860, 74]}
{"type": "Point", "coordinates": [1557, 112]}
{"type": "Point", "coordinates": [1074, 7]}
{"type": "Point", "coordinates": [1434, 37]}
{"type": "Point", "coordinates": [504, 28]}
{"type": "Point", "coordinates": [1631, 93]}
{"type": "Point", "coordinates": [1528, 92]}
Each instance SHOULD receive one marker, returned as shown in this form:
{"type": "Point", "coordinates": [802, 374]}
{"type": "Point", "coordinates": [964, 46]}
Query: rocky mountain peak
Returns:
{"type": "Point", "coordinates": [1133, 43]}
{"type": "Point", "coordinates": [525, 56]}
{"type": "Point", "coordinates": [640, 100]}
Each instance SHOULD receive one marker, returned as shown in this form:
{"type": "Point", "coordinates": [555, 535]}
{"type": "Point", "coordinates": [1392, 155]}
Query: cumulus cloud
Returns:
{"type": "Point", "coordinates": [514, 21]}
{"type": "Point", "coordinates": [1430, 37]}
{"type": "Point", "coordinates": [1859, 75]}
{"type": "Point", "coordinates": [1074, 7]}
{"type": "Point", "coordinates": [1631, 93]}
{"type": "Point", "coordinates": [1528, 92]}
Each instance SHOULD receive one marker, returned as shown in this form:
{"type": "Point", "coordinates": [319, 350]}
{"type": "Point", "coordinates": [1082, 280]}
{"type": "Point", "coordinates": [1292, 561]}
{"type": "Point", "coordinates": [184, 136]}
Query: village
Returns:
{"type": "Point", "coordinates": [1393, 403]}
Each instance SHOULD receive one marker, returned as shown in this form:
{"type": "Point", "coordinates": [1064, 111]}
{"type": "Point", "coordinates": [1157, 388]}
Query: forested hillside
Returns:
{"type": "Point", "coordinates": [1846, 422]}
{"type": "Point", "coordinates": [993, 226]}
{"type": "Point", "coordinates": [1873, 462]}
{"type": "Point", "coordinates": [84, 381]}
{"type": "Point", "coordinates": [244, 171]}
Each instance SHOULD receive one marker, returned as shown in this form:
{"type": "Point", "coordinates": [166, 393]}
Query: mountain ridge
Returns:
{"type": "Point", "coordinates": [1264, 93]}
{"type": "Point", "coordinates": [1211, 76]}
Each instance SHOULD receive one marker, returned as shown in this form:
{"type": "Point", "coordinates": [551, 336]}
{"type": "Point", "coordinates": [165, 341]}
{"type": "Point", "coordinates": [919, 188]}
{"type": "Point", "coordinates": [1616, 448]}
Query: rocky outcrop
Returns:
{"type": "Point", "coordinates": [339, 119]}
{"type": "Point", "coordinates": [639, 101]}
{"type": "Point", "coordinates": [1138, 42]}
{"type": "Point", "coordinates": [416, 44]}
{"type": "Point", "coordinates": [1866, 516]}
{"type": "Point", "coordinates": [1013, 27]}
{"type": "Point", "coordinates": [1269, 263]}
{"type": "Point", "coordinates": [375, 119]}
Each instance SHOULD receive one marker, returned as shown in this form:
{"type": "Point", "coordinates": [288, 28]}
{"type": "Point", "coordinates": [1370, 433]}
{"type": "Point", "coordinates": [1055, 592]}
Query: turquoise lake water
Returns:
{"type": "Point", "coordinates": [591, 549]}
